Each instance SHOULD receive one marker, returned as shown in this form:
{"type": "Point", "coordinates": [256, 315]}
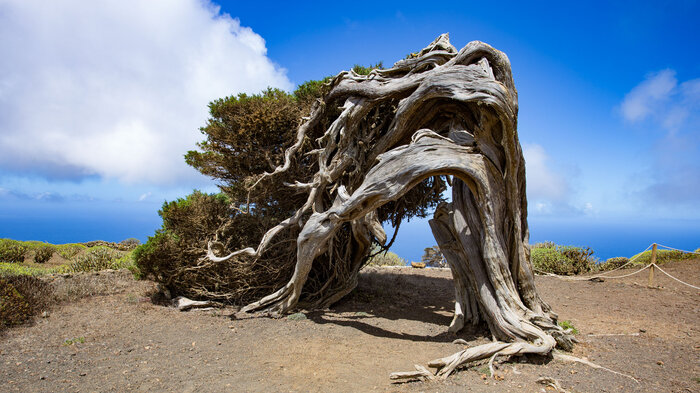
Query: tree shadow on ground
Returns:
{"type": "Point", "coordinates": [403, 299]}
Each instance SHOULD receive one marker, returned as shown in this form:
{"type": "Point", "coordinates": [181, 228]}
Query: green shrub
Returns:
{"type": "Point", "coordinates": [362, 70]}
{"type": "Point", "coordinates": [96, 259]}
{"type": "Point", "coordinates": [15, 269]}
{"type": "Point", "coordinates": [386, 259]}
{"type": "Point", "coordinates": [563, 260]}
{"type": "Point", "coordinates": [69, 251]}
{"type": "Point", "coordinates": [12, 251]}
{"type": "Point", "coordinates": [613, 263]}
{"type": "Point", "coordinates": [43, 253]}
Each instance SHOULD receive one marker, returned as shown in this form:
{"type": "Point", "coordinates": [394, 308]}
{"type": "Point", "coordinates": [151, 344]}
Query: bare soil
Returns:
{"type": "Point", "coordinates": [398, 317]}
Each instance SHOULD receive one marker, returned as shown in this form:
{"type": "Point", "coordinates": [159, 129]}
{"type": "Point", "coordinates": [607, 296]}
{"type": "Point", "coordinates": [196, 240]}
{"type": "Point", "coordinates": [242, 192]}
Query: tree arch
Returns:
{"type": "Point", "coordinates": [439, 115]}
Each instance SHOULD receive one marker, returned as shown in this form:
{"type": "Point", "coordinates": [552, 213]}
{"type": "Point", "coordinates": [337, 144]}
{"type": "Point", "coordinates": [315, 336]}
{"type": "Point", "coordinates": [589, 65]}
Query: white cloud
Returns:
{"type": "Point", "coordinates": [542, 181]}
{"type": "Point", "coordinates": [118, 89]}
{"type": "Point", "coordinates": [661, 98]}
{"type": "Point", "coordinates": [640, 102]}
{"type": "Point", "coordinates": [145, 196]}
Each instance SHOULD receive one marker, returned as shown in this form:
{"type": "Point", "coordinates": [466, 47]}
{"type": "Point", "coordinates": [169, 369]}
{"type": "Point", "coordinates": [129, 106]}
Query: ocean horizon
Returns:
{"type": "Point", "coordinates": [82, 222]}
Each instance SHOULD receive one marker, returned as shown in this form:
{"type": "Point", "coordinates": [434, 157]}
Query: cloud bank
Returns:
{"type": "Point", "coordinates": [118, 89]}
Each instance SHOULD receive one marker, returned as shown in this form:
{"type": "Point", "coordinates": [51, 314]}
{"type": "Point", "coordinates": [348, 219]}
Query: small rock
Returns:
{"type": "Point", "coordinates": [660, 363]}
{"type": "Point", "coordinates": [82, 374]}
{"type": "Point", "coordinates": [643, 330]}
{"type": "Point", "coordinates": [45, 314]}
{"type": "Point", "coordinates": [42, 377]}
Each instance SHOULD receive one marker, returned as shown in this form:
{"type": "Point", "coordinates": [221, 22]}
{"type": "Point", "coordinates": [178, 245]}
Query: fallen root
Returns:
{"type": "Point", "coordinates": [421, 374]}
{"type": "Point", "coordinates": [556, 355]}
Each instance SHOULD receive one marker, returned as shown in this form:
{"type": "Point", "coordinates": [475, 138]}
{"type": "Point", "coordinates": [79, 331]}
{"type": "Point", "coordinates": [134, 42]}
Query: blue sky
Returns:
{"type": "Point", "coordinates": [99, 101]}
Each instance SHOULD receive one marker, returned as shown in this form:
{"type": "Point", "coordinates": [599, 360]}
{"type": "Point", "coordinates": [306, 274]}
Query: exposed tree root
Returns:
{"type": "Point", "coordinates": [573, 359]}
{"type": "Point", "coordinates": [447, 365]}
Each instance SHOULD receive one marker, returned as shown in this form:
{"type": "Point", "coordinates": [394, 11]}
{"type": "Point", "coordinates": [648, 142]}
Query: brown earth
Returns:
{"type": "Point", "coordinates": [397, 318]}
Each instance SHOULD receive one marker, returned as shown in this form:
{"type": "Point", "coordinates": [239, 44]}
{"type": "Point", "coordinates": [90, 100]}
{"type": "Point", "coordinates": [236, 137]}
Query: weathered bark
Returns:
{"type": "Point", "coordinates": [442, 113]}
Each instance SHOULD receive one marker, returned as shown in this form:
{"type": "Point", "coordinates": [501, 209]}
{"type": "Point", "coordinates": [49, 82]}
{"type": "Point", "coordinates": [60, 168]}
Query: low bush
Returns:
{"type": "Point", "coordinates": [613, 263]}
{"type": "Point", "coordinates": [563, 260]}
{"type": "Point", "coordinates": [386, 259]}
{"type": "Point", "coordinates": [43, 253]}
{"type": "Point", "coordinates": [130, 243]}
{"type": "Point", "coordinates": [70, 251]}
{"type": "Point", "coordinates": [12, 251]}
{"type": "Point", "coordinates": [22, 297]}
{"type": "Point", "coordinates": [100, 258]}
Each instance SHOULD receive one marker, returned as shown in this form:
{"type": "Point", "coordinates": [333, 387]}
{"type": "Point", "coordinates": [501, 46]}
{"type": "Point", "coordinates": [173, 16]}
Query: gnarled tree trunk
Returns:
{"type": "Point", "coordinates": [438, 113]}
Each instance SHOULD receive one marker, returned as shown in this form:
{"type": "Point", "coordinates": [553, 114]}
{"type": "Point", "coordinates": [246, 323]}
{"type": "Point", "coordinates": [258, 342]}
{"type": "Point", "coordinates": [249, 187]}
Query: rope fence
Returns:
{"type": "Point", "coordinates": [651, 266]}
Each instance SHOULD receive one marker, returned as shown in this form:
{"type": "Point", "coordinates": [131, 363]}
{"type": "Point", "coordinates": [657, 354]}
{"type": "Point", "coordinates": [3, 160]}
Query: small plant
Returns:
{"type": "Point", "coordinates": [297, 317]}
{"type": "Point", "coordinates": [71, 341]}
{"type": "Point", "coordinates": [566, 325]}
{"type": "Point", "coordinates": [12, 251]}
{"type": "Point", "coordinates": [43, 253]}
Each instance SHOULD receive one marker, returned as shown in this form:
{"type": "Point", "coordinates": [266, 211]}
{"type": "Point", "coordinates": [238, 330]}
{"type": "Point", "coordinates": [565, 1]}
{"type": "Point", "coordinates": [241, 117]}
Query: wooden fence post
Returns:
{"type": "Point", "coordinates": [651, 268]}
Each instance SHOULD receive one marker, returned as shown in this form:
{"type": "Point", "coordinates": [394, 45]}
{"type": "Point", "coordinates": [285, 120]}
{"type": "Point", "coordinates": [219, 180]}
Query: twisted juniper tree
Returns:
{"type": "Point", "coordinates": [388, 142]}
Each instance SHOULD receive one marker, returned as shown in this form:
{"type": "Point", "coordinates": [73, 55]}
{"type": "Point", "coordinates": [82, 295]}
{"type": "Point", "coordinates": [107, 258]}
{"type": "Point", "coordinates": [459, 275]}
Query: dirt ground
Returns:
{"type": "Point", "coordinates": [397, 318]}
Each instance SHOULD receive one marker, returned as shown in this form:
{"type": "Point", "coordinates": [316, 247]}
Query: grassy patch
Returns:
{"type": "Point", "coordinates": [15, 269]}
{"type": "Point", "coordinates": [568, 325]}
{"type": "Point", "coordinates": [72, 341]}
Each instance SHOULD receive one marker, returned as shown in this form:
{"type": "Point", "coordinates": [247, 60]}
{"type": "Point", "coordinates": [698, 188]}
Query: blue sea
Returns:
{"type": "Point", "coordinates": [80, 222]}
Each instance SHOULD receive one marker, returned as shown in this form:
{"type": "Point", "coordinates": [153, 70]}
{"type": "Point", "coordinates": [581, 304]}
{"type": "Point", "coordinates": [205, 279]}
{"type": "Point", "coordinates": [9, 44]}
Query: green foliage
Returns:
{"type": "Point", "coordinates": [433, 257]}
{"type": "Point", "coordinates": [12, 251]}
{"type": "Point", "coordinates": [309, 91]}
{"type": "Point", "coordinates": [568, 325]}
{"type": "Point", "coordinates": [662, 256]}
{"type": "Point", "coordinates": [387, 258]}
{"type": "Point", "coordinates": [362, 70]}
{"type": "Point", "coordinates": [43, 253]}
{"type": "Point", "coordinates": [563, 260]}
{"type": "Point", "coordinates": [69, 251]}
{"type": "Point", "coordinates": [188, 223]}
{"type": "Point", "coordinates": [100, 258]}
